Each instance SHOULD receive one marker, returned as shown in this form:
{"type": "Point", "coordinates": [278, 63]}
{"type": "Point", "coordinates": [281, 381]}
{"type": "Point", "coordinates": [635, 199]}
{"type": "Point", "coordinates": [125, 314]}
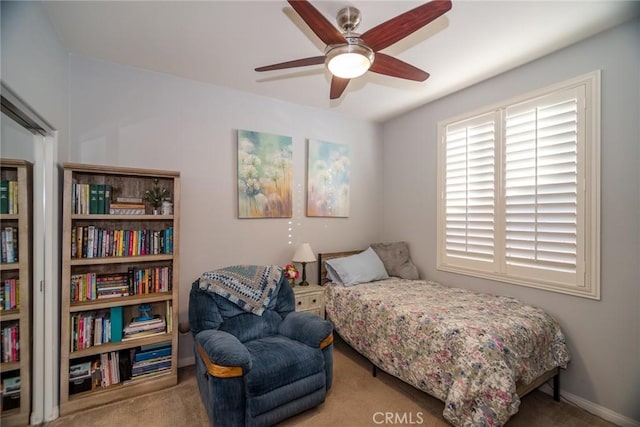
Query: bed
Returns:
{"type": "Point", "coordinates": [478, 353]}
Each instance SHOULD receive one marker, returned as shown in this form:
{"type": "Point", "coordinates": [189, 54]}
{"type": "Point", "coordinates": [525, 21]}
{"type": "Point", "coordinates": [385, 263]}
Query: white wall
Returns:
{"type": "Point", "coordinates": [603, 336]}
{"type": "Point", "coordinates": [34, 63]}
{"type": "Point", "coordinates": [129, 117]}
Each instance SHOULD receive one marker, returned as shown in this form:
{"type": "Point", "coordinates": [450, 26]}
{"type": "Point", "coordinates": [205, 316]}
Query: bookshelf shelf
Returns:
{"type": "Point", "coordinates": [10, 265]}
{"type": "Point", "coordinates": [11, 315]}
{"type": "Point", "coordinates": [105, 348]}
{"type": "Point", "coordinates": [109, 302]}
{"type": "Point", "coordinates": [19, 271]}
{"type": "Point", "coordinates": [84, 278]}
{"type": "Point", "coordinates": [120, 391]}
{"type": "Point", "coordinates": [120, 260]}
{"type": "Point", "coordinates": [92, 217]}
{"type": "Point", "coordinates": [10, 366]}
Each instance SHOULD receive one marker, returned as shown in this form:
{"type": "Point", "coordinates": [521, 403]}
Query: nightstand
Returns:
{"type": "Point", "coordinates": [310, 299]}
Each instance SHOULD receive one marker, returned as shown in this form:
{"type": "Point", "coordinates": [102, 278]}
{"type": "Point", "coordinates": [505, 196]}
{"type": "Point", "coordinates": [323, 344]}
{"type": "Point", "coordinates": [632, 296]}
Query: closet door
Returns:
{"type": "Point", "coordinates": [27, 137]}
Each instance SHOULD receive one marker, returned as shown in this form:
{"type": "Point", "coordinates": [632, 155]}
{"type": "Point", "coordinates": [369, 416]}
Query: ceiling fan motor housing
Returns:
{"type": "Point", "coordinates": [348, 19]}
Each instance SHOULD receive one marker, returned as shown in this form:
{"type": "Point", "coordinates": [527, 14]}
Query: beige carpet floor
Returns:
{"type": "Point", "coordinates": [356, 399]}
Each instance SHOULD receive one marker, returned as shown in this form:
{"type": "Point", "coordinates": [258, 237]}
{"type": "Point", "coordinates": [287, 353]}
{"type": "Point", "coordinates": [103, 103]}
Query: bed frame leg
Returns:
{"type": "Point", "coordinates": [556, 387]}
{"type": "Point", "coordinates": [374, 370]}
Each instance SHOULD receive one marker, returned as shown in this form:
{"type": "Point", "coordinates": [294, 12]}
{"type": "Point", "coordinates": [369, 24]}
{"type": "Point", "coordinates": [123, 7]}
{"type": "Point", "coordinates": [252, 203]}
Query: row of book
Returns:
{"type": "Point", "coordinates": [151, 359]}
{"type": "Point", "coordinates": [8, 197]}
{"type": "Point", "coordinates": [90, 328]}
{"type": "Point", "coordinates": [95, 242]}
{"type": "Point", "coordinates": [120, 366]}
{"type": "Point", "coordinates": [9, 244]}
{"type": "Point", "coordinates": [143, 327]}
{"type": "Point", "coordinates": [10, 342]}
{"type": "Point", "coordinates": [103, 371]}
{"type": "Point", "coordinates": [10, 294]}
{"type": "Point", "coordinates": [96, 327]}
{"type": "Point", "coordinates": [87, 199]}
{"type": "Point", "coordinates": [136, 281]}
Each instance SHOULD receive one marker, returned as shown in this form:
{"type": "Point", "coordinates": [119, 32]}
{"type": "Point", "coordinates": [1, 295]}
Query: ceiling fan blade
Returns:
{"type": "Point", "coordinates": [395, 29]}
{"type": "Point", "coordinates": [326, 31]}
{"type": "Point", "coordinates": [314, 60]}
{"type": "Point", "coordinates": [338, 85]}
{"type": "Point", "coordinates": [390, 66]}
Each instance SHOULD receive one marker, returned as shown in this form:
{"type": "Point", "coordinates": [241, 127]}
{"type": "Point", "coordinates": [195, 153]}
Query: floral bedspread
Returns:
{"type": "Point", "coordinates": [467, 349]}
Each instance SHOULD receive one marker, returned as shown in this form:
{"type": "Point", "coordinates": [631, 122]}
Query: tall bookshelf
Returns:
{"type": "Point", "coordinates": [16, 274]}
{"type": "Point", "coordinates": [99, 244]}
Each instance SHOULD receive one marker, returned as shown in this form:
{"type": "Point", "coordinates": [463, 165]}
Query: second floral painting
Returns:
{"type": "Point", "coordinates": [264, 175]}
{"type": "Point", "coordinates": [328, 181]}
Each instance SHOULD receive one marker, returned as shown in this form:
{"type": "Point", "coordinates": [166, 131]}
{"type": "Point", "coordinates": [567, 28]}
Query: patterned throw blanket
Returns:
{"type": "Point", "coordinates": [250, 287]}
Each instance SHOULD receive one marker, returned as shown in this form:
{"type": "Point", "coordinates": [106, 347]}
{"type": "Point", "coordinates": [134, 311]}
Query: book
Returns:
{"type": "Point", "coordinates": [10, 244]}
{"type": "Point", "coordinates": [142, 335]}
{"type": "Point", "coordinates": [11, 386]}
{"type": "Point", "coordinates": [13, 197]}
{"type": "Point", "coordinates": [135, 329]}
{"type": "Point", "coordinates": [116, 323]}
{"type": "Point", "coordinates": [152, 354]}
{"type": "Point", "coordinates": [100, 204]}
{"type": "Point", "coordinates": [4, 196]}
{"type": "Point", "coordinates": [107, 199]}
{"type": "Point", "coordinates": [124, 199]}
{"type": "Point", "coordinates": [120, 208]}
{"type": "Point", "coordinates": [93, 198]}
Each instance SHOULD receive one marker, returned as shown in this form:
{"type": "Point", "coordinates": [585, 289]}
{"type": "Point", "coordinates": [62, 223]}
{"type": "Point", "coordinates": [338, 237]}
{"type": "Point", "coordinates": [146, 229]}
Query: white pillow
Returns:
{"type": "Point", "coordinates": [360, 268]}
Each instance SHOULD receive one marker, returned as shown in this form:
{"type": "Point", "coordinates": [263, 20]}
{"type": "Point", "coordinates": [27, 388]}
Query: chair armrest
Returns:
{"type": "Point", "coordinates": [307, 328]}
{"type": "Point", "coordinates": [223, 354]}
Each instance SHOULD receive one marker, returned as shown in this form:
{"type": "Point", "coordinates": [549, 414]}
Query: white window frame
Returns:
{"type": "Point", "coordinates": [585, 282]}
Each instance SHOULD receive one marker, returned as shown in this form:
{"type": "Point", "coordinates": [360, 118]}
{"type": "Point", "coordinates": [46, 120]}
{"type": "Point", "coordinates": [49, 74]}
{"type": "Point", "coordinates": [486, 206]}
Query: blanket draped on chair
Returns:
{"type": "Point", "coordinates": [250, 287]}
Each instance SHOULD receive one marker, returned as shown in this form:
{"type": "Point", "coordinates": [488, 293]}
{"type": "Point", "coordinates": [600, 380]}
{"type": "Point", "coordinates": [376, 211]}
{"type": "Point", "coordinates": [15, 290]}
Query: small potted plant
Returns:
{"type": "Point", "coordinates": [156, 196]}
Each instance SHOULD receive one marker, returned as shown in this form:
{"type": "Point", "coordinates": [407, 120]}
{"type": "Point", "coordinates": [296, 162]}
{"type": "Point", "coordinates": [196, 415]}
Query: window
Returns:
{"type": "Point", "coordinates": [519, 187]}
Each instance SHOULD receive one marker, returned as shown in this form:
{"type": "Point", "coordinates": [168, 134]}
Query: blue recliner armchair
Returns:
{"type": "Point", "coordinates": [258, 370]}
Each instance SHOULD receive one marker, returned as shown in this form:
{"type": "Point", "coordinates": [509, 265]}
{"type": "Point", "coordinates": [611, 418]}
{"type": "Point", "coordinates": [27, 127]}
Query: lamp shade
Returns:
{"type": "Point", "coordinates": [349, 61]}
{"type": "Point", "coordinates": [304, 253]}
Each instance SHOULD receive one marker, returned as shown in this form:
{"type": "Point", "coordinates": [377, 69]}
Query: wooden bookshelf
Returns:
{"type": "Point", "coordinates": [108, 259]}
{"type": "Point", "coordinates": [20, 220]}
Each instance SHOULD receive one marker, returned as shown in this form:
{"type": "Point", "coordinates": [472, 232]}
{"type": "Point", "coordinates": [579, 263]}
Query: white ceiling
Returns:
{"type": "Point", "coordinates": [221, 42]}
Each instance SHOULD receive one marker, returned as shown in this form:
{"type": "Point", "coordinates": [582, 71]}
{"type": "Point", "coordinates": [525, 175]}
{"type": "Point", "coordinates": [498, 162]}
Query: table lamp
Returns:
{"type": "Point", "coordinates": [303, 255]}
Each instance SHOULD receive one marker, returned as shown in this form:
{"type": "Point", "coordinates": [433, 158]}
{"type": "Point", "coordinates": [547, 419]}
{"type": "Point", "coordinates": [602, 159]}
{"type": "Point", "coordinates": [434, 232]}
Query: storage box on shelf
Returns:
{"type": "Point", "coordinates": [120, 264]}
{"type": "Point", "coordinates": [15, 290]}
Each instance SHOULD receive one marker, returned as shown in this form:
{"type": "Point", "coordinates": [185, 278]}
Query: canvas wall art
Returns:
{"type": "Point", "coordinates": [264, 175]}
{"type": "Point", "coordinates": [328, 180]}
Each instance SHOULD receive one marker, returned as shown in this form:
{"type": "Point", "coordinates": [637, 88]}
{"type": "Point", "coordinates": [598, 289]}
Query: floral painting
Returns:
{"type": "Point", "coordinates": [329, 171]}
{"type": "Point", "coordinates": [264, 175]}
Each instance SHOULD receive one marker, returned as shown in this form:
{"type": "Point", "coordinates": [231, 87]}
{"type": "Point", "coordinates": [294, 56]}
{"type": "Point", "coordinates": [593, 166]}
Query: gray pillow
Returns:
{"type": "Point", "coordinates": [360, 268]}
{"type": "Point", "coordinates": [395, 257]}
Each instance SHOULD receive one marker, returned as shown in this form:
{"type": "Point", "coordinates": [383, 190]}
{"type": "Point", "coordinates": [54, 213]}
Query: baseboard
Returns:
{"type": "Point", "coordinates": [593, 408]}
{"type": "Point", "coordinates": [186, 361]}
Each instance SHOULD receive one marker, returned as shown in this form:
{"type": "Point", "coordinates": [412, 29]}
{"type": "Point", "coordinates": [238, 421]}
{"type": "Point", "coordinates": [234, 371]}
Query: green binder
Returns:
{"type": "Point", "coordinates": [93, 199]}
{"type": "Point", "coordinates": [4, 196]}
{"type": "Point", "coordinates": [116, 324]}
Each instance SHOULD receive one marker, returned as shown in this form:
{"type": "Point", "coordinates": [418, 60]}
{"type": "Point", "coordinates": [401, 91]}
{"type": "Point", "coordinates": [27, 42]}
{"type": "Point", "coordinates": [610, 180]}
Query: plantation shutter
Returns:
{"type": "Point", "coordinates": [469, 192]}
{"type": "Point", "coordinates": [542, 139]}
{"type": "Point", "coordinates": [519, 190]}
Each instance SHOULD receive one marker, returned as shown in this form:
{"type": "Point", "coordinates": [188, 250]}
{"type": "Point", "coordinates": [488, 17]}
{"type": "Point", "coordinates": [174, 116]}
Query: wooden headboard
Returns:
{"type": "Point", "coordinates": [322, 257]}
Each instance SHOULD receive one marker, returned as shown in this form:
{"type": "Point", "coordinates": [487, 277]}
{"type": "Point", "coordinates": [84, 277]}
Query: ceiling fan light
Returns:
{"type": "Point", "coordinates": [349, 61]}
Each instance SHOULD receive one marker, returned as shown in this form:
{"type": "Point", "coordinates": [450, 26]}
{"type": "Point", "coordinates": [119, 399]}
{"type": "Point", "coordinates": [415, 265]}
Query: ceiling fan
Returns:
{"type": "Point", "coordinates": [349, 55]}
